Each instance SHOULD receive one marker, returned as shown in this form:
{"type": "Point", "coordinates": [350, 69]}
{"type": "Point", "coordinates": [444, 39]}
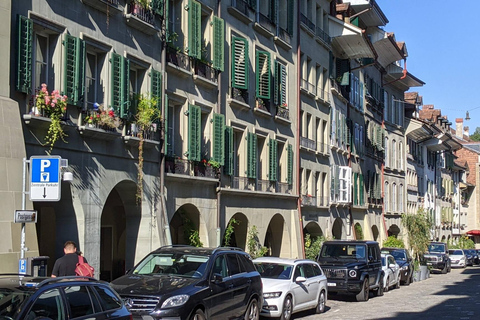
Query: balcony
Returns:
{"type": "Point", "coordinates": [322, 37]}
{"type": "Point", "coordinates": [266, 186]}
{"type": "Point", "coordinates": [241, 10]}
{"type": "Point", "coordinates": [282, 114]}
{"type": "Point", "coordinates": [205, 74]}
{"type": "Point", "coordinates": [307, 87]}
{"type": "Point", "coordinates": [141, 19]}
{"type": "Point", "coordinates": [96, 131]}
{"type": "Point", "coordinates": [178, 62]}
{"type": "Point", "coordinates": [283, 187]}
{"type": "Point", "coordinates": [190, 168]}
{"type": "Point", "coordinates": [307, 24]}
{"type": "Point", "coordinates": [151, 137]}
{"type": "Point", "coordinates": [110, 7]}
{"type": "Point", "coordinates": [309, 201]}
{"type": "Point", "coordinates": [308, 143]}
{"type": "Point", "coordinates": [264, 25]}
{"type": "Point", "coordinates": [239, 98]}
{"type": "Point", "coordinates": [283, 39]}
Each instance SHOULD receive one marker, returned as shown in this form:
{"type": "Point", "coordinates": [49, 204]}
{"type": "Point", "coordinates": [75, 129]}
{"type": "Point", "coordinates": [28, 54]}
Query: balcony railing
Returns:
{"type": "Point", "coordinates": [283, 187]}
{"type": "Point", "coordinates": [149, 134]}
{"type": "Point", "coordinates": [240, 95]}
{"type": "Point", "coordinates": [307, 22]}
{"type": "Point", "coordinates": [265, 22]}
{"type": "Point", "coordinates": [240, 183]}
{"type": "Point", "coordinates": [205, 71]}
{"type": "Point", "coordinates": [308, 200]}
{"type": "Point", "coordinates": [283, 35]}
{"type": "Point", "coordinates": [265, 186]}
{"type": "Point", "coordinates": [178, 59]}
{"type": "Point", "coordinates": [189, 168]}
{"type": "Point", "coordinates": [309, 87]}
{"type": "Point", "coordinates": [308, 143]}
{"type": "Point", "coordinates": [283, 112]}
{"type": "Point", "coordinates": [242, 6]}
{"type": "Point", "coordinates": [323, 35]}
{"type": "Point", "coordinates": [141, 13]}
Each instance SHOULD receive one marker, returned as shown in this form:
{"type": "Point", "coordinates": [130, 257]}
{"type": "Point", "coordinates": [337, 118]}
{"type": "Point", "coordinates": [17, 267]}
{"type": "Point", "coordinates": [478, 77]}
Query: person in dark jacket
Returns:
{"type": "Point", "coordinates": [65, 266]}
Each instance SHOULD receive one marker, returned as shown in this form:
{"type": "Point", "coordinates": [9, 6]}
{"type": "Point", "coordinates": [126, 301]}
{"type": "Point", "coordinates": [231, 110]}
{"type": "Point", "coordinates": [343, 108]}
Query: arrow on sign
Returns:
{"type": "Point", "coordinates": [44, 192]}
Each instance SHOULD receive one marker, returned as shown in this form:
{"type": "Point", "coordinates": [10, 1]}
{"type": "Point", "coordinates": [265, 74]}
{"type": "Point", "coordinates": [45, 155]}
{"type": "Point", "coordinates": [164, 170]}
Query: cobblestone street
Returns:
{"type": "Point", "coordinates": [455, 295]}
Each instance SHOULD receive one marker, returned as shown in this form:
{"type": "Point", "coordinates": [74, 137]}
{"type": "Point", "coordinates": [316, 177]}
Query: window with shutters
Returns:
{"type": "Point", "coordinates": [119, 85]}
{"type": "Point", "coordinates": [280, 85]}
{"type": "Point", "coordinates": [194, 133]}
{"type": "Point", "coordinates": [252, 155]}
{"type": "Point", "coordinates": [92, 81]}
{"type": "Point", "coordinates": [263, 78]}
{"type": "Point", "coordinates": [272, 159]}
{"type": "Point", "coordinates": [229, 148]}
{"type": "Point", "coordinates": [24, 54]}
{"type": "Point", "coordinates": [240, 67]}
{"type": "Point", "coordinates": [218, 140]}
{"type": "Point", "coordinates": [136, 79]}
{"type": "Point", "coordinates": [345, 187]}
{"type": "Point", "coordinates": [175, 18]}
{"type": "Point", "coordinates": [194, 46]}
{"type": "Point", "coordinates": [74, 69]}
{"type": "Point", "coordinates": [42, 59]}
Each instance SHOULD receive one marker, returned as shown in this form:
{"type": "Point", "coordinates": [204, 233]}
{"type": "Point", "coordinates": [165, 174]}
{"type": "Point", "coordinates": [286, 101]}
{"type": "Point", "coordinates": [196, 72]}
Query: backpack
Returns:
{"type": "Point", "coordinates": [84, 269]}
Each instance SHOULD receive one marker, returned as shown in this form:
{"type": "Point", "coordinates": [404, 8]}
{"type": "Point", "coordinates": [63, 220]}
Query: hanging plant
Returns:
{"type": "Point", "coordinates": [54, 106]}
{"type": "Point", "coordinates": [147, 114]}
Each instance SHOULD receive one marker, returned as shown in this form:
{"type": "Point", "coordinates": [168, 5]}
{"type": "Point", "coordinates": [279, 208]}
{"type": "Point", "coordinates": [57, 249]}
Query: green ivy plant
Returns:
{"type": "Point", "coordinates": [358, 231]}
{"type": "Point", "coordinates": [229, 231]}
{"type": "Point", "coordinates": [313, 246]}
{"type": "Point", "coordinates": [393, 242]}
{"type": "Point", "coordinates": [147, 114]}
{"type": "Point", "coordinates": [191, 234]}
{"type": "Point", "coordinates": [418, 230]}
{"type": "Point", "coordinates": [254, 247]}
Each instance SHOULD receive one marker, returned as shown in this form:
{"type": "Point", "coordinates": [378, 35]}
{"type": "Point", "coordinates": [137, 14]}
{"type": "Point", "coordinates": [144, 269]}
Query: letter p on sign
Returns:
{"type": "Point", "coordinates": [44, 164]}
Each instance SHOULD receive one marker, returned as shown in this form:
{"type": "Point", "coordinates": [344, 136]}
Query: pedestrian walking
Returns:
{"type": "Point", "coordinates": [65, 266]}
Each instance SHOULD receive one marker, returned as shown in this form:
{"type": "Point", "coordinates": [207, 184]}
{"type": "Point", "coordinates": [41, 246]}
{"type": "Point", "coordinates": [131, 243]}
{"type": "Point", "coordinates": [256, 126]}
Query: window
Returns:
{"type": "Point", "coordinates": [194, 133]}
{"type": "Point", "coordinates": [41, 60]}
{"type": "Point", "coordinates": [119, 85]}
{"type": "Point", "coordinates": [400, 155]}
{"type": "Point", "coordinates": [108, 299]}
{"type": "Point", "coordinates": [218, 139]}
{"type": "Point", "coordinates": [394, 198]}
{"type": "Point", "coordinates": [345, 184]}
{"type": "Point", "coordinates": [79, 300]}
{"type": "Point", "coordinates": [386, 106]}
{"type": "Point", "coordinates": [240, 64]}
{"type": "Point", "coordinates": [220, 266]}
{"type": "Point", "coordinates": [387, 153]}
{"type": "Point", "coordinates": [233, 264]}
{"type": "Point", "coordinates": [252, 155]}
{"type": "Point", "coordinates": [48, 305]}
{"type": "Point", "coordinates": [280, 85]}
{"type": "Point", "coordinates": [400, 199]}
{"type": "Point", "coordinates": [394, 154]}
{"type": "Point", "coordinates": [387, 197]}
{"type": "Point", "coordinates": [262, 72]}
{"type": "Point", "coordinates": [272, 159]}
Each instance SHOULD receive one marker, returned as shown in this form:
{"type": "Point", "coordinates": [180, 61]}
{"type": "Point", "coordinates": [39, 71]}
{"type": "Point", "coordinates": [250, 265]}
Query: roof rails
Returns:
{"type": "Point", "coordinates": [176, 246]}
{"type": "Point", "coordinates": [14, 274]}
{"type": "Point", "coordinates": [71, 278]}
{"type": "Point", "coordinates": [227, 248]}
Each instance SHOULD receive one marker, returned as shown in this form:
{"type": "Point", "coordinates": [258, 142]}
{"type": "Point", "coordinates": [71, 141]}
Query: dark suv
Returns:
{"type": "Point", "coordinates": [184, 282]}
{"type": "Point", "coordinates": [61, 298]}
{"type": "Point", "coordinates": [352, 267]}
{"type": "Point", "coordinates": [437, 257]}
{"type": "Point", "coordinates": [405, 262]}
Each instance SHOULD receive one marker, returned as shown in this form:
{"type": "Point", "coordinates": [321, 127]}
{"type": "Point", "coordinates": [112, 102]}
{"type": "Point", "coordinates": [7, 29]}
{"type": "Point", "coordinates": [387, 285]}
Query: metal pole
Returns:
{"type": "Point", "coordinates": [24, 191]}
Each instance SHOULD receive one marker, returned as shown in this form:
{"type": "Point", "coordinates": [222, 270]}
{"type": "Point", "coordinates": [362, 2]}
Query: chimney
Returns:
{"type": "Point", "coordinates": [465, 131]}
{"type": "Point", "coordinates": [459, 128]}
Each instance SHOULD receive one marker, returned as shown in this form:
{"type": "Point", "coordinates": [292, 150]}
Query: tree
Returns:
{"type": "Point", "coordinates": [476, 135]}
{"type": "Point", "coordinates": [418, 230]}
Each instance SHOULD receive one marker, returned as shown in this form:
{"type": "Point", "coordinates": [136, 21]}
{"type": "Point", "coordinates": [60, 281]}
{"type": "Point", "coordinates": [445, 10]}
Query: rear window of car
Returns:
{"type": "Point", "coordinates": [274, 270]}
{"type": "Point", "coordinates": [353, 251]}
{"type": "Point", "coordinates": [108, 298]}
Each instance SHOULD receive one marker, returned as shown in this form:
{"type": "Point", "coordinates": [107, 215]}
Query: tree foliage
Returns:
{"type": "Point", "coordinates": [313, 246]}
{"type": "Point", "coordinates": [463, 243]}
{"type": "Point", "coordinates": [393, 242]}
{"type": "Point", "coordinates": [418, 230]}
{"type": "Point", "coordinates": [229, 231]}
{"type": "Point", "coordinates": [476, 135]}
{"type": "Point", "coordinates": [255, 249]}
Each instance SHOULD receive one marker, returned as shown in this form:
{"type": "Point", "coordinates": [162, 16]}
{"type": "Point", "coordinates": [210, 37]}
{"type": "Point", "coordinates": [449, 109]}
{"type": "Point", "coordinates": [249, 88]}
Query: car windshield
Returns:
{"type": "Point", "coordinates": [274, 270]}
{"type": "Point", "coordinates": [341, 250]}
{"type": "Point", "coordinates": [11, 301]}
{"type": "Point", "coordinates": [398, 255]}
{"type": "Point", "coordinates": [177, 264]}
{"type": "Point", "coordinates": [436, 247]}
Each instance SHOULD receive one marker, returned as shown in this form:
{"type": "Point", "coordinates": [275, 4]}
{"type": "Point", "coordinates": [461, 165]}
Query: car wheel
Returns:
{"type": "Point", "coordinates": [407, 280]}
{"type": "Point", "coordinates": [444, 270]}
{"type": "Point", "coordinates": [321, 303]}
{"type": "Point", "coordinates": [397, 285]}
{"type": "Point", "coordinates": [387, 286]}
{"type": "Point", "coordinates": [198, 315]}
{"type": "Point", "coordinates": [252, 312]}
{"type": "Point", "coordinates": [364, 294]}
{"type": "Point", "coordinates": [287, 309]}
{"type": "Point", "coordinates": [449, 267]}
{"type": "Point", "coordinates": [379, 292]}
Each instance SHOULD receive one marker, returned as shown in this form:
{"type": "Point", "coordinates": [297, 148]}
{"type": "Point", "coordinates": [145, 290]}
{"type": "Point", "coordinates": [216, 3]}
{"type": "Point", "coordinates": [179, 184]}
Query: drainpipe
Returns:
{"type": "Point", "coordinates": [383, 191]}
{"type": "Point", "coordinates": [299, 200]}
{"type": "Point", "coordinates": [219, 185]}
{"type": "Point", "coordinates": [163, 201]}
{"type": "Point", "coordinates": [404, 73]}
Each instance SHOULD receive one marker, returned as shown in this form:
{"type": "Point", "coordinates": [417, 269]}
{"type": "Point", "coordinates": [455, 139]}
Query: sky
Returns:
{"type": "Point", "coordinates": [443, 44]}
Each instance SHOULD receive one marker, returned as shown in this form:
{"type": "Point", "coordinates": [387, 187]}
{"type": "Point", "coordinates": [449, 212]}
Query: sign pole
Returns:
{"type": "Point", "coordinates": [22, 244]}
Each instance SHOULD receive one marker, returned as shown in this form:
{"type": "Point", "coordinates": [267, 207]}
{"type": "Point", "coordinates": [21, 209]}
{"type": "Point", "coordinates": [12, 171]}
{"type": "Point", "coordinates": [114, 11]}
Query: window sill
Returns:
{"type": "Point", "coordinates": [204, 81]}
{"type": "Point", "coordinates": [246, 17]}
{"type": "Point", "coordinates": [109, 7]}
{"type": "Point", "coordinates": [262, 112]}
{"type": "Point", "coordinates": [98, 133]}
{"type": "Point", "coordinates": [238, 104]}
{"type": "Point", "coordinates": [135, 142]}
{"type": "Point", "coordinates": [283, 120]}
{"type": "Point", "coordinates": [178, 70]}
{"type": "Point", "coordinates": [262, 30]}
{"type": "Point", "coordinates": [282, 43]}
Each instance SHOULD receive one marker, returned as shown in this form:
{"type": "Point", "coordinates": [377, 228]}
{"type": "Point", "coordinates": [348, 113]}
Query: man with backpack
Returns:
{"type": "Point", "coordinates": [68, 264]}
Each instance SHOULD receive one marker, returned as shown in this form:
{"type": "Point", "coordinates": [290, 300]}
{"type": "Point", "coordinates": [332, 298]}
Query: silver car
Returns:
{"type": "Point", "coordinates": [458, 258]}
{"type": "Point", "coordinates": [291, 285]}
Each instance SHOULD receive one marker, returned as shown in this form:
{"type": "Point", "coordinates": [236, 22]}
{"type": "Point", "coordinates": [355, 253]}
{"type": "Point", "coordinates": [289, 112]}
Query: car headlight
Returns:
{"type": "Point", "coordinates": [352, 273]}
{"type": "Point", "coordinates": [175, 301]}
{"type": "Point", "coordinates": [270, 295]}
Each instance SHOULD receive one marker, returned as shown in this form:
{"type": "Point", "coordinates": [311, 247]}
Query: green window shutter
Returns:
{"type": "Point", "coordinates": [355, 198]}
{"type": "Point", "coordinates": [239, 63]}
{"type": "Point", "coordinates": [361, 202]}
{"type": "Point", "coordinates": [280, 84]}
{"type": "Point", "coordinates": [194, 132]}
{"type": "Point", "coordinates": [218, 43]}
{"type": "Point", "coordinates": [228, 167]}
{"type": "Point", "coordinates": [219, 138]}
{"type": "Point", "coordinates": [262, 72]}
{"type": "Point", "coordinates": [272, 160]}
{"type": "Point", "coordinates": [157, 6]}
{"type": "Point", "coordinates": [24, 55]}
{"type": "Point", "coordinates": [194, 29]}
{"type": "Point", "coordinates": [156, 87]}
{"type": "Point", "coordinates": [252, 155]}
{"type": "Point", "coordinates": [120, 101]}
{"type": "Point", "coordinates": [337, 181]}
{"type": "Point", "coordinates": [74, 80]}
{"type": "Point", "coordinates": [290, 164]}
{"type": "Point", "coordinates": [290, 18]}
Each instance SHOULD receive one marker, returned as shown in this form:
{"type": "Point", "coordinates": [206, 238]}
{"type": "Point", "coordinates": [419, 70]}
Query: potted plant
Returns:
{"type": "Point", "coordinates": [102, 119]}
{"type": "Point", "coordinates": [147, 114]}
{"type": "Point", "coordinates": [54, 106]}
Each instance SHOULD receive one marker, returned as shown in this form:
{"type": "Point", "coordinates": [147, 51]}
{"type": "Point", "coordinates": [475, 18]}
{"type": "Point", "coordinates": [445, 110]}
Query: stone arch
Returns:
{"type": "Point", "coordinates": [375, 233]}
{"type": "Point", "coordinates": [313, 229]}
{"type": "Point", "coordinates": [337, 229]}
{"type": "Point", "coordinates": [443, 238]}
{"type": "Point", "coordinates": [276, 237]}
{"type": "Point", "coordinates": [358, 231]}
{"type": "Point", "coordinates": [120, 220]}
{"type": "Point", "coordinates": [239, 236]}
{"type": "Point", "coordinates": [394, 230]}
{"type": "Point", "coordinates": [186, 222]}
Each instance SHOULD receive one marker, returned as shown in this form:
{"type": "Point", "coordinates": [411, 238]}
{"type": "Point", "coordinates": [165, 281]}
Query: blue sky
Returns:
{"type": "Point", "coordinates": [442, 42]}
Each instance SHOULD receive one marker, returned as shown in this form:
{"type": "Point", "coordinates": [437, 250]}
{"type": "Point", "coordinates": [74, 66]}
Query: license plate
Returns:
{"type": "Point", "coordinates": [331, 284]}
{"type": "Point", "coordinates": [429, 263]}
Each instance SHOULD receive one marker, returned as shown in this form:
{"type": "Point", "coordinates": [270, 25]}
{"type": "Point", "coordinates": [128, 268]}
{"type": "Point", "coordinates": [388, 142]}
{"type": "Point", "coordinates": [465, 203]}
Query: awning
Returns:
{"type": "Point", "coordinates": [473, 232]}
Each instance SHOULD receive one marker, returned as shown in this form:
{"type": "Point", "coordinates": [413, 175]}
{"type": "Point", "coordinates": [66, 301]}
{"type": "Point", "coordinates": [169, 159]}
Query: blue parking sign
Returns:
{"type": "Point", "coordinates": [45, 178]}
{"type": "Point", "coordinates": [22, 266]}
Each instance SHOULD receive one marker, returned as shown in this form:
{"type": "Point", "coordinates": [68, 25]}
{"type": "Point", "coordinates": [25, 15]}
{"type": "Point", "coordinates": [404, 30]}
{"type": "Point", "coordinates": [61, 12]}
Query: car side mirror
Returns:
{"type": "Point", "coordinates": [217, 277]}
{"type": "Point", "coordinates": [300, 279]}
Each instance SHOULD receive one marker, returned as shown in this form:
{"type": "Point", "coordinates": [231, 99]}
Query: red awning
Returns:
{"type": "Point", "coordinates": [474, 232]}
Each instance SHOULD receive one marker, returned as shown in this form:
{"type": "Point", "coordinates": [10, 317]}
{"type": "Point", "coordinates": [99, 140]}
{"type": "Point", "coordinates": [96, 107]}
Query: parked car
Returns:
{"type": "Point", "coordinates": [391, 270]}
{"type": "Point", "coordinates": [405, 262]}
{"type": "Point", "coordinates": [458, 257]}
{"type": "Point", "coordinates": [185, 282]}
{"type": "Point", "coordinates": [472, 256]}
{"type": "Point", "coordinates": [290, 286]}
{"type": "Point", "coordinates": [352, 267]}
{"type": "Point", "coordinates": [25, 297]}
{"type": "Point", "coordinates": [437, 256]}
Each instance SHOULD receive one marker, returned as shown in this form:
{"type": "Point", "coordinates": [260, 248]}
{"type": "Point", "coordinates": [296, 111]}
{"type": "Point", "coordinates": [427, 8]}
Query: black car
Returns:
{"type": "Point", "coordinates": [29, 298]}
{"type": "Point", "coordinates": [404, 260]}
{"type": "Point", "coordinates": [352, 267]}
{"type": "Point", "coordinates": [184, 282]}
{"type": "Point", "coordinates": [472, 257]}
